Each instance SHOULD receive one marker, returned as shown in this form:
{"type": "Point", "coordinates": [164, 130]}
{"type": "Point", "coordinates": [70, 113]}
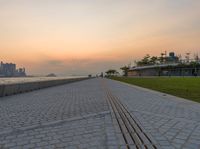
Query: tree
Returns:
{"type": "Point", "coordinates": [154, 60]}
{"type": "Point", "coordinates": [162, 57]}
{"type": "Point", "coordinates": [111, 72]}
{"type": "Point", "coordinates": [125, 70]}
{"type": "Point", "coordinates": [196, 57]}
{"type": "Point", "coordinates": [145, 61]}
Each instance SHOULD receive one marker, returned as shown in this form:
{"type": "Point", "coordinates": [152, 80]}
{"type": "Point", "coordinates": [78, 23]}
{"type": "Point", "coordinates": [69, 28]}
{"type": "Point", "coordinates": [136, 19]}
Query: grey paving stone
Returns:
{"type": "Point", "coordinates": [78, 116]}
{"type": "Point", "coordinates": [170, 120]}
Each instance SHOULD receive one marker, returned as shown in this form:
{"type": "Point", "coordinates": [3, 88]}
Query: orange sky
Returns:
{"type": "Point", "coordinates": [90, 36]}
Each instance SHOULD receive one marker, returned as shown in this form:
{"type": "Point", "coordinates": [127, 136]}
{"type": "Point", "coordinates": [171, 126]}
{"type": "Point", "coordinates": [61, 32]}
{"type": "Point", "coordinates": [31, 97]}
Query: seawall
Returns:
{"type": "Point", "coordinates": [16, 88]}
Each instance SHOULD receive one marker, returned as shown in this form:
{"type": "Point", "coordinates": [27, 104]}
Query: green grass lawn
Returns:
{"type": "Point", "coordinates": [188, 87]}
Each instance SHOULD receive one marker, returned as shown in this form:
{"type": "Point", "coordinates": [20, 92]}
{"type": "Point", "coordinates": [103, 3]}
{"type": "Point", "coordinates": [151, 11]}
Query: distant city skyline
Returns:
{"type": "Point", "coordinates": [82, 37]}
{"type": "Point", "coordinates": [10, 70]}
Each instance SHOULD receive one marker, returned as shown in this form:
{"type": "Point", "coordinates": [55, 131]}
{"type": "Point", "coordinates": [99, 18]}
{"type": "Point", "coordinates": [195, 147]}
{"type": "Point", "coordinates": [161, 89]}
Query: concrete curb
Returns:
{"type": "Point", "coordinates": [11, 89]}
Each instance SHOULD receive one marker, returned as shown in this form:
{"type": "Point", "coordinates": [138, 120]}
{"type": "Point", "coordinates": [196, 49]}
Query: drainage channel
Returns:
{"type": "Point", "coordinates": [132, 133]}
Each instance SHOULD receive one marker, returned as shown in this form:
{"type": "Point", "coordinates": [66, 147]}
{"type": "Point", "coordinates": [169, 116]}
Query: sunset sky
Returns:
{"type": "Point", "coordinates": [89, 36]}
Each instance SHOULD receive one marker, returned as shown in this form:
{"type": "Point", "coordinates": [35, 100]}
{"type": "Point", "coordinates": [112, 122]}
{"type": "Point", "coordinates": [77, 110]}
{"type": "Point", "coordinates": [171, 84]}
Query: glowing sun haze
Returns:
{"type": "Point", "coordinates": [90, 36]}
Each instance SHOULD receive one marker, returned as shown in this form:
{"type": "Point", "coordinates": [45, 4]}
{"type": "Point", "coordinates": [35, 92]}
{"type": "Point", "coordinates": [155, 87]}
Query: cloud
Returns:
{"type": "Point", "coordinates": [76, 66]}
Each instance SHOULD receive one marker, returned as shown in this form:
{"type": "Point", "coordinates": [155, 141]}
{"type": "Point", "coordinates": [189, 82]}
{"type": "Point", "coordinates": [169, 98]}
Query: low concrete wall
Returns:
{"type": "Point", "coordinates": [11, 89]}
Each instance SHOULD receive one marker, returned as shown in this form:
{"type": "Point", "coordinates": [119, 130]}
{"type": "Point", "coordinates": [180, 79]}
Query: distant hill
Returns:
{"type": "Point", "coordinates": [51, 75]}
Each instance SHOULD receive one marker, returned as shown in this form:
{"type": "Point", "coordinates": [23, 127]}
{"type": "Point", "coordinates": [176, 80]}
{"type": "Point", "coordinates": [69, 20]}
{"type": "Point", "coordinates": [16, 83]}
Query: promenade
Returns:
{"type": "Point", "coordinates": [98, 114]}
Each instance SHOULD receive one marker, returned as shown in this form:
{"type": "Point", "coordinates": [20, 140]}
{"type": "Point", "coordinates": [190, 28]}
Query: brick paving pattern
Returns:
{"type": "Point", "coordinates": [173, 122]}
{"type": "Point", "coordinates": [78, 116]}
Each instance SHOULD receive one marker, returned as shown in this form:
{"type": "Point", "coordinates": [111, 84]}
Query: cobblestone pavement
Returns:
{"type": "Point", "coordinates": [78, 116]}
{"type": "Point", "coordinates": [173, 122]}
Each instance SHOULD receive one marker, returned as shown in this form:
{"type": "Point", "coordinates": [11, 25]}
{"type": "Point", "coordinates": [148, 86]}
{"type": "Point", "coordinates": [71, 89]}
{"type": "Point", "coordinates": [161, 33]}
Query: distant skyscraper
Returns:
{"type": "Point", "coordinates": [9, 70]}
